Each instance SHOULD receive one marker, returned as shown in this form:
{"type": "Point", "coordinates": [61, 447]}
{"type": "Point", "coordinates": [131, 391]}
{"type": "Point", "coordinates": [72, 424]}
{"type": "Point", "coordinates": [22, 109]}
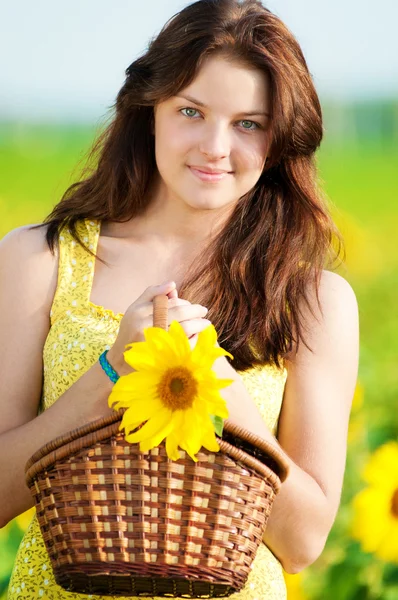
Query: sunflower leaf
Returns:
{"type": "Point", "coordinates": [218, 424]}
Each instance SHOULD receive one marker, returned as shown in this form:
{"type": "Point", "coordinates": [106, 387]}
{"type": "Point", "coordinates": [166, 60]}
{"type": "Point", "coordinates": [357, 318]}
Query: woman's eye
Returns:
{"type": "Point", "coordinates": [256, 126]}
{"type": "Point", "coordinates": [189, 109]}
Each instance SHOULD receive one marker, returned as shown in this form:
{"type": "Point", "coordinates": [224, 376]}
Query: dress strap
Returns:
{"type": "Point", "coordinates": [75, 270]}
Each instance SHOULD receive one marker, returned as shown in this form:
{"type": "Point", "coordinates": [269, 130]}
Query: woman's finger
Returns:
{"type": "Point", "coordinates": [173, 294]}
{"type": "Point", "coordinates": [194, 326]}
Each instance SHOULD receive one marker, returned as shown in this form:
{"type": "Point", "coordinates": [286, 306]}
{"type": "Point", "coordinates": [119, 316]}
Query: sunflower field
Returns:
{"type": "Point", "coordinates": [360, 559]}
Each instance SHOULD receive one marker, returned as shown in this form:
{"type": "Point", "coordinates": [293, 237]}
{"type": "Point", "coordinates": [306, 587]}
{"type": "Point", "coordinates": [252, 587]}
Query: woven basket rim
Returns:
{"type": "Point", "coordinates": [101, 429]}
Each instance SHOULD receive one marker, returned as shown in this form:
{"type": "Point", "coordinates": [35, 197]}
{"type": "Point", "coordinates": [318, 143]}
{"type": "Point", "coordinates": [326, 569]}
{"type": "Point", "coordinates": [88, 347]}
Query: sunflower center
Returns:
{"type": "Point", "coordinates": [177, 388]}
{"type": "Point", "coordinates": [394, 504]}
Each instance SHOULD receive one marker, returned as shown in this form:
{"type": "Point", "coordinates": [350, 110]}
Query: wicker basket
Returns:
{"type": "Point", "coordinates": [116, 521]}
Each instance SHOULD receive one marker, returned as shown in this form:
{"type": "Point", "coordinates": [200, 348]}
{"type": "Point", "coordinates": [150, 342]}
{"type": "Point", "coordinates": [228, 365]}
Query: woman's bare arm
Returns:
{"type": "Point", "coordinates": [312, 426]}
{"type": "Point", "coordinates": [28, 275]}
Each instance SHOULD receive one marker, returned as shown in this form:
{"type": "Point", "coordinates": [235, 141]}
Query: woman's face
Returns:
{"type": "Point", "coordinates": [218, 123]}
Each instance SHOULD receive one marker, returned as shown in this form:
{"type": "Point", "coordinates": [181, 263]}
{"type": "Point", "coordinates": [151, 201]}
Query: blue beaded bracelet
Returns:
{"type": "Point", "coordinates": [109, 370]}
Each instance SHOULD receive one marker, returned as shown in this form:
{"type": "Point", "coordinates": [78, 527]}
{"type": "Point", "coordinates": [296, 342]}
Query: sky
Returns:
{"type": "Point", "coordinates": [66, 60]}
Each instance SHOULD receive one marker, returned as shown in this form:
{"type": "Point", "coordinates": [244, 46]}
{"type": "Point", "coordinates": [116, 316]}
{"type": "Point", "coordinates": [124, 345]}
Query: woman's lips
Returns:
{"type": "Point", "coordinates": [211, 177]}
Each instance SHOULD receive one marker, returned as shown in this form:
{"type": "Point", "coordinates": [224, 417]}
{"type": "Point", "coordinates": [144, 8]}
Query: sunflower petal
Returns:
{"type": "Point", "coordinates": [213, 404]}
{"type": "Point", "coordinates": [209, 441]}
{"type": "Point", "coordinates": [160, 340]}
{"type": "Point", "coordinates": [191, 432]}
{"type": "Point", "coordinates": [178, 420]}
{"type": "Point", "coordinates": [132, 380]}
{"type": "Point", "coordinates": [137, 393]}
{"type": "Point", "coordinates": [185, 447]}
{"type": "Point", "coordinates": [221, 383]}
{"type": "Point", "coordinates": [140, 357]}
{"type": "Point", "coordinates": [124, 382]}
{"type": "Point", "coordinates": [157, 438]}
{"type": "Point", "coordinates": [123, 397]}
{"type": "Point", "coordinates": [152, 427]}
{"type": "Point", "coordinates": [172, 447]}
{"type": "Point", "coordinates": [207, 337]}
{"type": "Point", "coordinates": [128, 428]}
{"type": "Point", "coordinates": [205, 350]}
{"type": "Point", "coordinates": [183, 348]}
{"type": "Point", "coordinates": [204, 362]}
{"type": "Point", "coordinates": [130, 422]}
{"type": "Point", "coordinates": [137, 413]}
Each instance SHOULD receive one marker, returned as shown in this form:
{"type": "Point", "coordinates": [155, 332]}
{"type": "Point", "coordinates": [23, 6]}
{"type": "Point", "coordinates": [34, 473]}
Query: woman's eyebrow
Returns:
{"type": "Point", "coordinates": [199, 103]}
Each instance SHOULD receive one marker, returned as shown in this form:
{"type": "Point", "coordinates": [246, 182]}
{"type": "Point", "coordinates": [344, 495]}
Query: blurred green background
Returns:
{"type": "Point", "coordinates": [359, 174]}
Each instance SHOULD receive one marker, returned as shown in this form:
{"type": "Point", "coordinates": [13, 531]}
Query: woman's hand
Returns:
{"type": "Point", "coordinates": [139, 316]}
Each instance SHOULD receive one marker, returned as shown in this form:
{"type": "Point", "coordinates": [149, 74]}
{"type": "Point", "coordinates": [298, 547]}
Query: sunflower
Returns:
{"type": "Point", "coordinates": [173, 390]}
{"type": "Point", "coordinates": [375, 522]}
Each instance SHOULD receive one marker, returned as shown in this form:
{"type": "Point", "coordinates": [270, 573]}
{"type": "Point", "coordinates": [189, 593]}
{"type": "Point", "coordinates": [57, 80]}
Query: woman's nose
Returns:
{"type": "Point", "coordinates": [215, 142]}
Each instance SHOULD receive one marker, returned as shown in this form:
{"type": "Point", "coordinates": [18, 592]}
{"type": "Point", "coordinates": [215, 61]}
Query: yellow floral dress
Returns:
{"type": "Point", "coordinates": [80, 331]}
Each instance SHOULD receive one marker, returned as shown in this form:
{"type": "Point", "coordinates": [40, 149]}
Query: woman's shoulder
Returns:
{"type": "Point", "coordinates": [27, 262]}
{"type": "Point", "coordinates": [24, 239]}
{"type": "Point", "coordinates": [27, 245]}
{"type": "Point", "coordinates": [336, 297]}
{"type": "Point", "coordinates": [334, 287]}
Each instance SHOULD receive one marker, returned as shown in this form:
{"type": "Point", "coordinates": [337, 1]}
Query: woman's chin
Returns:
{"type": "Point", "coordinates": [205, 199]}
{"type": "Point", "coordinates": [206, 203]}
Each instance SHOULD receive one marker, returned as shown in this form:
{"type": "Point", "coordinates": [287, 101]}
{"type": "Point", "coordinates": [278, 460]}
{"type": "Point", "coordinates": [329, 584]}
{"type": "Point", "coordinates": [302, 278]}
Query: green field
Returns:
{"type": "Point", "coordinates": [39, 162]}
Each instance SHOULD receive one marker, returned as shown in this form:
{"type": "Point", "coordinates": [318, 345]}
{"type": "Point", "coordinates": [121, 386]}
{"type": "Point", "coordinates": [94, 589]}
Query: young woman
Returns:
{"type": "Point", "coordinates": [205, 190]}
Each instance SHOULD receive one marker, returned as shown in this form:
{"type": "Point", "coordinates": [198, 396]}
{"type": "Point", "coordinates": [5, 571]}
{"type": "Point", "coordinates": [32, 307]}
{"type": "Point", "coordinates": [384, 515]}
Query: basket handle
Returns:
{"type": "Point", "coordinates": [160, 310]}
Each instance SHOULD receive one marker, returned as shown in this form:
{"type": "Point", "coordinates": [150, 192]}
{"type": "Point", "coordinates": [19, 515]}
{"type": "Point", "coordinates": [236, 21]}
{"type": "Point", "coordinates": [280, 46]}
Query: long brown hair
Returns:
{"type": "Point", "coordinates": [280, 235]}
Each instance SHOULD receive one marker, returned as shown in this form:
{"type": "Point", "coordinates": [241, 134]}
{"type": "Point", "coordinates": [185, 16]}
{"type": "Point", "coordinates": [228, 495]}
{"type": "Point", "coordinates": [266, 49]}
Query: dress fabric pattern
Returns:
{"type": "Point", "coordinates": [80, 331]}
